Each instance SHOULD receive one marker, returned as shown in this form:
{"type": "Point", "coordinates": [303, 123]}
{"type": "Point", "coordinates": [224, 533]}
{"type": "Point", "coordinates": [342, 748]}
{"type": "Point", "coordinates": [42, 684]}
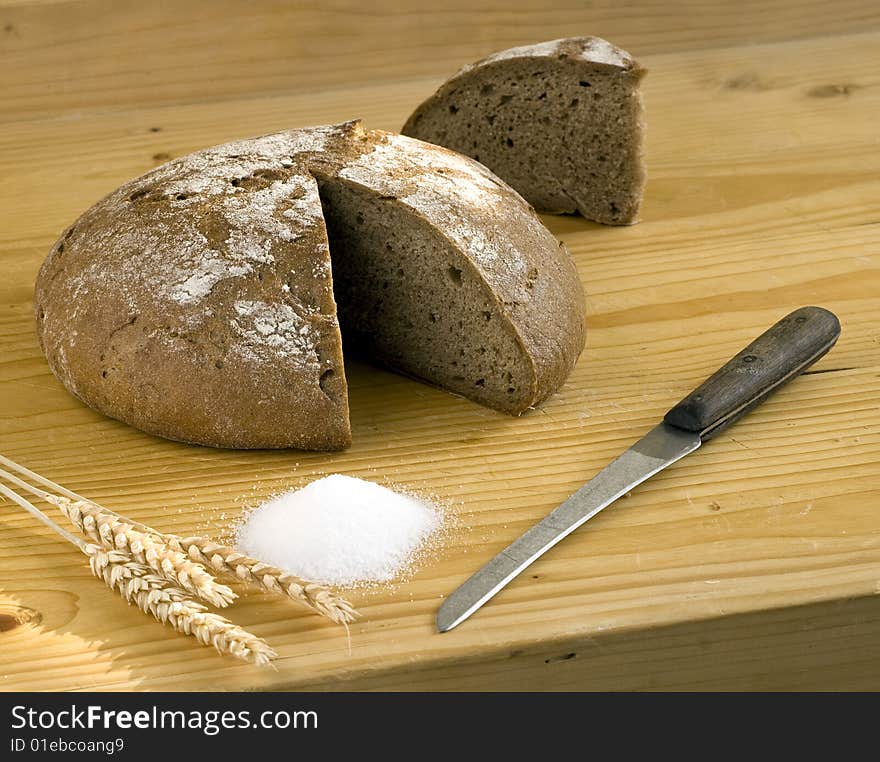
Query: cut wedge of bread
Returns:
{"type": "Point", "coordinates": [560, 121]}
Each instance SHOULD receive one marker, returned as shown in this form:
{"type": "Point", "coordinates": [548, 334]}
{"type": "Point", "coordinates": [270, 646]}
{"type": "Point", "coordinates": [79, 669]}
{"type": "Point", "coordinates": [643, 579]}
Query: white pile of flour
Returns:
{"type": "Point", "coordinates": [339, 530]}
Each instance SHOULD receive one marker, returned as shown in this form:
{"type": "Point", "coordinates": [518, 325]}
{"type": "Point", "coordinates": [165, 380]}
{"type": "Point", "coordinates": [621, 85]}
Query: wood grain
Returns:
{"type": "Point", "coordinates": [754, 563]}
{"type": "Point", "coordinates": [64, 56]}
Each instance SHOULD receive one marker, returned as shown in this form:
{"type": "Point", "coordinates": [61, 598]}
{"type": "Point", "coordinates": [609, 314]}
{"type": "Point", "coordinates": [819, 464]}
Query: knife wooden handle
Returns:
{"type": "Point", "coordinates": [769, 362]}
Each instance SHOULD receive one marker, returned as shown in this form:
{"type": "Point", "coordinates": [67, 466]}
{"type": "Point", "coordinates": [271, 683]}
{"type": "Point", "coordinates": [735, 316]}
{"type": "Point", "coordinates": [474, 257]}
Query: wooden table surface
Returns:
{"type": "Point", "coordinates": [754, 563]}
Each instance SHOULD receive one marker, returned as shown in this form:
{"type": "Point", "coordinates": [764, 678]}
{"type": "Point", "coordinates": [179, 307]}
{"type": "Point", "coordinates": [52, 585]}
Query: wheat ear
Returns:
{"type": "Point", "coordinates": [210, 554]}
{"type": "Point", "coordinates": [98, 523]}
{"type": "Point", "coordinates": [152, 594]}
{"type": "Point", "coordinates": [224, 559]}
{"type": "Point", "coordinates": [151, 549]}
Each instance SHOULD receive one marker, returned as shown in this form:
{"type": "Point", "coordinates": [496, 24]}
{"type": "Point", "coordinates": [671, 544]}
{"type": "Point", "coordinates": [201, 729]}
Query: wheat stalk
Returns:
{"type": "Point", "coordinates": [111, 530]}
{"type": "Point", "coordinates": [152, 594]}
{"type": "Point", "coordinates": [228, 560]}
{"type": "Point", "coordinates": [155, 595]}
{"type": "Point", "coordinates": [88, 516]}
{"type": "Point", "coordinates": [114, 533]}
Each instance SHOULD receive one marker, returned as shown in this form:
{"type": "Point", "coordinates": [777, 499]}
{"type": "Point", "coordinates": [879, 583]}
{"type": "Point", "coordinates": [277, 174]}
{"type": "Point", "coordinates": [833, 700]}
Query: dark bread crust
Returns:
{"type": "Point", "coordinates": [169, 303]}
{"type": "Point", "coordinates": [197, 302]}
{"type": "Point", "coordinates": [526, 278]}
{"type": "Point", "coordinates": [561, 122]}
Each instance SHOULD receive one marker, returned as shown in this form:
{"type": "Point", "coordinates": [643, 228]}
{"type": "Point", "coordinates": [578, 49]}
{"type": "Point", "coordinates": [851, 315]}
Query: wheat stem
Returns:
{"type": "Point", "coordinates": [37, 478]}
{"type": "Point", "coordinates": [151, 549]}
{"type": "Point", "coordinates": [40, 516]}
{"type": "Point", "coordinates": [208, 553]}
{"type": "Point", "coordinates": [98, 523]}
{"type": "Point", "coordinates": [111, 531]}
{"type": "Point", "coordinates": [154, 595]}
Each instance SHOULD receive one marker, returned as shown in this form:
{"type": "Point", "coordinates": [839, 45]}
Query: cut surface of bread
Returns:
{"type": "Point", "coordinates": [443, 273]}
{"type": "Point", "coordinates": [406, 295]}
{"type": "Point", "coordinates": [197, 301]}
{"type": "Point", "coordinates": [560, 121]}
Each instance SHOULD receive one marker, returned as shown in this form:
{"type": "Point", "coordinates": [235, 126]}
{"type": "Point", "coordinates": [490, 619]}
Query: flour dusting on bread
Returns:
{"type": "Point", "coordinates": [197, 301]}
{"type": "Point", "coordinates": [448, 188]}
{"type": "Point", "coordinates": [272, 331]}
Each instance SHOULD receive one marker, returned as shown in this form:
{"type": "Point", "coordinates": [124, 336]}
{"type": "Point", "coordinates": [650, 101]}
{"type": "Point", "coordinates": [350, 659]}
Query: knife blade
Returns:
{"type": "Point", "coordinates": [774, 358]}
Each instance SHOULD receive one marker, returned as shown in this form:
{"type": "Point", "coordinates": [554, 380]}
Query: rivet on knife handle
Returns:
{"type": "Point", "coordinates": [769, 362]}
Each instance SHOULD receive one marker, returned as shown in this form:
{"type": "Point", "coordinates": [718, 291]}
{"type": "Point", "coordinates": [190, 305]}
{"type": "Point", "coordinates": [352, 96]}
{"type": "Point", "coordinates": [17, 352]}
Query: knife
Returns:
{"type": "Point", "coordinates": [773, 359]}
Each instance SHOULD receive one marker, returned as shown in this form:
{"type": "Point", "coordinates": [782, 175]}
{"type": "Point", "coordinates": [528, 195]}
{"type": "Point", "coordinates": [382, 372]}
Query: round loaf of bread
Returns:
{"type": "Point", "coordinates": [198, 302]}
